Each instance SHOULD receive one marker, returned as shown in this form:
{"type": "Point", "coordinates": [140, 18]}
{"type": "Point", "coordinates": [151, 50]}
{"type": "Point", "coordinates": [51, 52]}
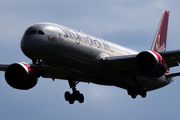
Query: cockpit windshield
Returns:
{"type": "Point", "coordinates": [31, 32]}
{"type": "Point", "coordinates": [40, 32]}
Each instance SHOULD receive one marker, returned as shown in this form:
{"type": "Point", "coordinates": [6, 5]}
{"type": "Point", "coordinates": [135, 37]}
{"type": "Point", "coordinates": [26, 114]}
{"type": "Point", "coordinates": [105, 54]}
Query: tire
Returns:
{"type": "Point", "coordinates": [133, 96]}
{"type": "Point", "coordinates": [144, 94]}
{"type": "Point", "coordinates": [81, 98]}
{"type": "Point", "coordinates": [67, 95]}
{"type": "Point", "coordinates": [71, 99]}
{"type": "Point", "coordinates": [129, 90]}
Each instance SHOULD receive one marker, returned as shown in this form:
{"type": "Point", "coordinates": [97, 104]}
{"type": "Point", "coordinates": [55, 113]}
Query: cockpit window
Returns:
{"type": "Point", "coordinates": [40, 32]}
{"type": "Point", "coordinates": [27, 32]}
{"type": "Point", "coordinates": [33, 32]}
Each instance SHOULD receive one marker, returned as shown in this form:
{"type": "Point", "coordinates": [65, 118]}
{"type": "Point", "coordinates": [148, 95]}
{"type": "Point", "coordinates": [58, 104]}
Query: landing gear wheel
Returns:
{"type": "Point", "coordinates": [143, 94]}
{"type": "Point", "coordinates": [133, 96]}
{"type": "Point", "coordinates": [67, 95]}
{"type": "Point", "coordinates": [81, 98]}
{"type": "Point", "coordinates": [71, 100]}
{"type": "Point", "coordinates": [76, 95]}
{"type": "Point", "coordinates": [130, 90]}
{"type": "Point", "coordinates": [134, 91]}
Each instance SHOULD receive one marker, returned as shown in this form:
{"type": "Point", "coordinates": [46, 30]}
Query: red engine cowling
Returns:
{"type": "Point", "coordinates": [20, 76]}
{"type": "Point", "coordinates": [150, 64]}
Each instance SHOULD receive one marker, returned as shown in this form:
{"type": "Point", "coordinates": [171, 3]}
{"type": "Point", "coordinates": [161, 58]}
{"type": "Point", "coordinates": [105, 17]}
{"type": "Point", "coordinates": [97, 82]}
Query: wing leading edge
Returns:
{"type": "Point", "coordinates": [121, 63]}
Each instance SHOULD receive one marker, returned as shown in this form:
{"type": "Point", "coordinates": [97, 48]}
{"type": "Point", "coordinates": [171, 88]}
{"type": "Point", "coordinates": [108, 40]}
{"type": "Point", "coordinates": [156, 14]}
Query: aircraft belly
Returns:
{"type": "Point", "coordinates": [123, 81]}
{"type": "Point", "coordinates": [106, 80]}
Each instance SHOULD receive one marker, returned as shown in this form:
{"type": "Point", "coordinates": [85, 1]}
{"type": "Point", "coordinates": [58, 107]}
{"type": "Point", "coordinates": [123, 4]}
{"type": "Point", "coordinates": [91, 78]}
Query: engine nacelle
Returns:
{"type": "Point", "coordinates": [20, 76]}
{"type": "Point", "coordinates": [150, 64]}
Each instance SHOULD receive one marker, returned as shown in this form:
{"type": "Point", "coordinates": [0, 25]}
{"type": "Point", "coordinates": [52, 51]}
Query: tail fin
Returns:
{"type": "Point", "coordinates": [159, 44]}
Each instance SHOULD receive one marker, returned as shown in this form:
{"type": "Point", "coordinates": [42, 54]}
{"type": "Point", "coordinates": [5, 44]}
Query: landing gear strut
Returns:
{"type": "Point", "coordinates": [134, 91]}
{"type": "Point", "coordinates": [76, 95]}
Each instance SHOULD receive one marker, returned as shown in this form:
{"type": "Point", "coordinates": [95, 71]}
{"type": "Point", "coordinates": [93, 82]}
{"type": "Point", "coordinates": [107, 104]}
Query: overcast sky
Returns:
{"type": "Point", "coordinates": [129, 23]}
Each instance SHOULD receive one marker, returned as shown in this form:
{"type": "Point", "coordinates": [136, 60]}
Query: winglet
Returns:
{"type": "Point", "coordinates": [159, 44]}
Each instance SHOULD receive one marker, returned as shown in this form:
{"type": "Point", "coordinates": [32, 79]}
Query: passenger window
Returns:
{"type": "Point", "coordinates": [33, 32]}
{"type": "Point", "coordinates": [40, 32]}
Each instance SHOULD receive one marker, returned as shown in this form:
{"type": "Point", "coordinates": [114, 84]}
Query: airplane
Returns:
{"type": "Point", "coordinates": [60, 52]}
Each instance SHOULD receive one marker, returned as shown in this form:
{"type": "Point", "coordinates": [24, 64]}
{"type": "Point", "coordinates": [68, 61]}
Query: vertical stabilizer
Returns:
{"type": "Point", "coordinates": [159, 44]}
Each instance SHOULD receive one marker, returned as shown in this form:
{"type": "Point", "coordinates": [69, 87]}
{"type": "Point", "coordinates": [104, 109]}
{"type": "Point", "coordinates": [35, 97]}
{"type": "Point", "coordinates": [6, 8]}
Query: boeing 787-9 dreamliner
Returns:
{"type": "Point", "coordinates": [59, 52]}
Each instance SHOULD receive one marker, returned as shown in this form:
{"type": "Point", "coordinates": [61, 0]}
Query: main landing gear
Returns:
{"type": "Point", "coordinates": [134, 91]}
{"type": "Point", "coordinates": [76, 95]}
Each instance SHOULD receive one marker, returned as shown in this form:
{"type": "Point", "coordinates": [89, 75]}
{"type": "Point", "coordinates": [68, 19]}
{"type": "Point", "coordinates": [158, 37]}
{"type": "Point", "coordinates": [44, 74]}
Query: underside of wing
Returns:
{"type": "Point", "coordinates": [3, 67]}
{"type": "Point", "coordinates": [51, 72]}
{"type": "Point", "coordinates": [120, 63]}
{"type": "Point", "coordinates": [172, 57]}
{"type": "Point", "coordinates": [46, 71]}
{"type": "Point", "coordinates": [126, 62]}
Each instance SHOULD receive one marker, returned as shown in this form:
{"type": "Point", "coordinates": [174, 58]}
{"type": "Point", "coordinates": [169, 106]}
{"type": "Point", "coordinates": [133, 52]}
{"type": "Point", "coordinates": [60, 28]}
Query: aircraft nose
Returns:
{"type": "Point", "coordinates": [38, 38]}
{"type": "Point", "coordinates": [32, 37]}
{"type": "Point", "coordinates": [31, 40]}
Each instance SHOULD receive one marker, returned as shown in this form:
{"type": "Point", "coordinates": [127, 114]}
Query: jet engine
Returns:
{"type": "Point", "coordinates": [150, 64]}
{"type": "Point", "coordinates": [20, 76]}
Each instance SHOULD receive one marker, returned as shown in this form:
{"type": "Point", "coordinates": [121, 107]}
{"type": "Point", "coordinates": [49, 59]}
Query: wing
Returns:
{"type": "Point", "coordinates": [3, 67]}
{"type": "Point", "coordinates": [119, 63]}
{"type": "Point", "coordinates": [127, 62]}
{"type": "Point", "coordinates": [172, 57]}
{"type": "Point", "coordinates": [47, 71]}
